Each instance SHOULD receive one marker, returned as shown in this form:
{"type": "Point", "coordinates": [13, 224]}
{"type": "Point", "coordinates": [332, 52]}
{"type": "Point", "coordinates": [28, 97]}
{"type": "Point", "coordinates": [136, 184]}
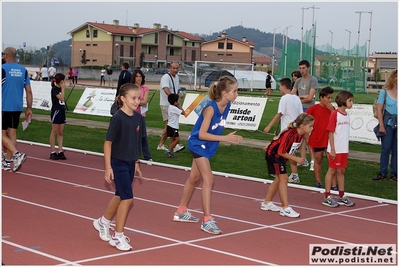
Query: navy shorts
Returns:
{"type": "Point", "coordinates": [10, 119]}
{"type": "Point", "coordinates": [172, 132]}
{"type": "Point", "coordinates": [123, 178]}
{"type": "Point", "coordinates": [276, 166]}
{"type": "Point", "coordinates": [195, 155]}
{"type": "Point", "coordinates": [58, 116]}
{"type": "Point", "coordinates": [319, 149]}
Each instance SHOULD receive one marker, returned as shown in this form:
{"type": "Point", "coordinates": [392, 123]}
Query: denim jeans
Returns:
{"type": "Point", "coordinates": [389, 143]}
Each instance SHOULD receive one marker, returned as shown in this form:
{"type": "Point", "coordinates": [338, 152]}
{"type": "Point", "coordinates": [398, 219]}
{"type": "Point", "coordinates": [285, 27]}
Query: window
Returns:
{"type": "Point", "coordinates": [192, 44]}
{"type": "Point", "coordinates": [171, 52]}
{"type": "Point", "coordinates": [131, 51]}
{"type": "Point", "coordinates": [220, 54]}
{"type": "Point", "coordinates": [193, 55]}
{"type": "Point", "coordinates": [95, 33]}
{"type": "Point", "coordinates": [229, 55]}
{"type": "Point", "coordinates": [149, 50]}
{"type": "Point", "coordinates": [229, 46]}
{"type": "Point", "coordinates": [185, 43]}
{"type": "Point", "coordinates": [87, 44]}
{"type": "Point", "coordinates": [95, 44]}
{"type": "Point", "coordinates": [170, 39]}
{"type": "Point", "coordinates": [220, 45]}
{"type": "Point", "coordinates": [131, 39]}
{"type": "Point", "coordinates": [121, 51]}
{"type": "Point", "coordinates": [156, 38]}
{"type": "Point", "coordinates": [185, 54]}
{"type": "Point", "coordinates": [87, 34]}
{"type": "Point", "coordinates": [94, 60]}
{"type": "Point", "coordinates": [122, 37]}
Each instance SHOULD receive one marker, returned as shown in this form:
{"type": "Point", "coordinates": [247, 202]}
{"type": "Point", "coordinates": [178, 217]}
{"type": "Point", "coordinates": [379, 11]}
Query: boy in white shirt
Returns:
{"type": "Point", "coordinates": [172, 131]}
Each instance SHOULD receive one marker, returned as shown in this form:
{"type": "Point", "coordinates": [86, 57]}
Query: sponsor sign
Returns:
{"type": "Point", "coordinates": [96, 101]}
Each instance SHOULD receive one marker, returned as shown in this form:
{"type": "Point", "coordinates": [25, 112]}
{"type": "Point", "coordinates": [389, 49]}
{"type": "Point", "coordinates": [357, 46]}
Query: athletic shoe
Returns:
{"type": "Point", "coordinates": [289, 212]}
{"type": "Point", "coordinates": [18, 159]}
{"type": "Point", "coordinates": [330, 202]}
{"type": "Point", "coordinates": [54, 156]}
{"type": "Point", "coordinates": [294, 178]}
{"type": "Point", "coordinates": [305, 164]}
{"type": "Point", "coordinates": [6, 165]}
{"type": "Point", "coordinates": [210, 227]}
{"type": "Point", "coordinates": [185, 217]}
{"type": "Point", "coordinates": [319, 185]}
{"type": "Point", "coordinates": [394, 177]}
{"type": "Point", "coordinates": [61, 155]}
{"type": "Point", "coordinates": [121, 242]}
{"type": "Point", "coordinates": [170, 154]}
{"type": "Point", "coordinates": [103, 230]}
{"type": "Point", "coordinates": [178, 148]}
{"type": "Point", "coordinates": [311, 165]}
{"type": "Point", "coordinates": [273, 175]}
{"type": "Point", "coordinates": [270, 100]}
{"type": "Point", "coordinates": [162, 148]}
{"type": "Point", "coordinates": [335, 187]}
{"type": "Point", "coordinates": [379, 176]}
{"type": "Point", "coordinates": [344, 200]}
{"type": "Point", "coordinates": [269, 206]}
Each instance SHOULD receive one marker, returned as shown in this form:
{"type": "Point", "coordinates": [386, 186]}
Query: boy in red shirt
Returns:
{"type": "Point", "coordinates": [318, 139]}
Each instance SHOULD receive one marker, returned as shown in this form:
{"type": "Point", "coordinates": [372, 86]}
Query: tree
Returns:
{"type": "Point", "coordinates": [84, 57]}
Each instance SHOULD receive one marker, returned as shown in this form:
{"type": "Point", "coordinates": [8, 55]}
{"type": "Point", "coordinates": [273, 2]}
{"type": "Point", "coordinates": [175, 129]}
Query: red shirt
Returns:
{"type": "Point", "coordinates": [288, 142]}
{"type": "Point", "coordinates": [319, 136]}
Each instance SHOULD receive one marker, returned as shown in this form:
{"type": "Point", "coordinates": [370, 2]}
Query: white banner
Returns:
{"type": "Point", "coordinates": [245, 113]}
{"type": "Point", "coordinates": [96, 101]}
{"type": "Point", "coordinates": [41, 95]}
{"type": "Point", "coordinates": [362, 124]}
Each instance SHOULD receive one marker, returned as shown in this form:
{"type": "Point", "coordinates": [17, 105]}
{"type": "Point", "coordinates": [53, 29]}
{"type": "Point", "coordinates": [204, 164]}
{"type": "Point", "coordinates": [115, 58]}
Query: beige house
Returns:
{"type": "Point", "coordinates": [227, 49]}
{"type": "Point", "coordinates": [100, 44]}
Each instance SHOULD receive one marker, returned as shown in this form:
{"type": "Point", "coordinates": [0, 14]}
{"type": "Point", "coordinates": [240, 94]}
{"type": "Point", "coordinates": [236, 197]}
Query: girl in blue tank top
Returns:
{"type": "Point", "coordinates": [203, 143]}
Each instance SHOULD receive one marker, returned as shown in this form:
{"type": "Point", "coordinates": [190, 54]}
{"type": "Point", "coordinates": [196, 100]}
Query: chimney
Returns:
{"type": "Point", "coordinates": [134, 29]}
{"type": "Point", "coordinates": [224, 35]}
{"type": "Point", "coordinates": [244, 39]}
{"type": "Point", "coordinates": [136, 25]}
{"type": "Point", "coordinates": [165, 27]}
{"type": "Point", "coordinates": [116, 22]}
{"type": "Point", "coordinates": [156, 25]}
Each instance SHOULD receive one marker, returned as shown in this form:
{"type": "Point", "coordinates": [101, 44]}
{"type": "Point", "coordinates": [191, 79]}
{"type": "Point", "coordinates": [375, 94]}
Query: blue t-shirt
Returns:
{"type": "Point", "coordinates": [208, 148]}
{"type": "Point", "coordinates": [391, 104]}
{"type": "Point", "coordinates": [15, 78]}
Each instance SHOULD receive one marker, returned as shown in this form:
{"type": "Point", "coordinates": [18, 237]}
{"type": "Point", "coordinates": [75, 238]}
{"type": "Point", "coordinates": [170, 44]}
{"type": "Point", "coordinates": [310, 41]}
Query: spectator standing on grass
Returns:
{"type": "Point", "coordinates": [75, 73]}
{"type": "Point", "coordinates": [169, 84]}
{"type": "Point", "coordinates": [281, 149]}
{"type": "Point", "coordinates": [306, 87]}
{"type": "Point", "coordinates": [172, 131]}
{"type": "Point", "coordinates": [109, 76]}
{"type": "Point", "coordinates": [44, 72]}
{"type": "Point", "coordinates": [14, 80]}
{"type": "Point", "coordinates": [70, 76]}
{"type": "Point", "coordinates": [318, 139]}
{"type": "Point", "coordinates": [102, 76]}
{"type": "Point", "coordinates": [58, 116]}
{"type": "Point", "coordinates": [203, 143]}
{"type": "Point", "coordinates": [268, 85]}
{"type": "Point", "coordinates": [122, 149]}
{"type": "Point", "coordinates": [124, 77]}
{"type": "Point", "coordinates": [386, 130]}
{"type": "Point", "coordinates": [338, 149]}
{"type": "Point", "coordinates": [289, 108]}
{"type": "Point", "coordinates": [138, 78]}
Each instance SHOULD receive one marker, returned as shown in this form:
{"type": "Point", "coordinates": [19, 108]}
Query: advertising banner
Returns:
{"type": "Point", "coordinates": [41, 95]}
{"type": "Point", "coordinates": [96, 101]}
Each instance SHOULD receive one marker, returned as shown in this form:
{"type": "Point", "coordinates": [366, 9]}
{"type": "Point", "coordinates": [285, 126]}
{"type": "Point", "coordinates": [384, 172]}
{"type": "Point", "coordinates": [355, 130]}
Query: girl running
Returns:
{"type": "Point", "coordinates": [122, 148]}
{"type": "Point", "coordinates": [281, 149]}
{"type": "Point", "coordinates": [203, 143]}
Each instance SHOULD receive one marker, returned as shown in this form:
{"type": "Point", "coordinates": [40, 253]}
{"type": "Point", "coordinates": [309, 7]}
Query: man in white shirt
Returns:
{"type": "Point", "coordinates": [169, 84]}
{"type": "Point", "coordinates": [51, 72]}
{"type": "Point", "coordinates": [44, 72]}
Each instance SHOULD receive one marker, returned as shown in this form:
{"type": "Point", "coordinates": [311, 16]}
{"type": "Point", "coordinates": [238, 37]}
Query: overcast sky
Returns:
{"type": "Point", "coordinates": [44, 23]}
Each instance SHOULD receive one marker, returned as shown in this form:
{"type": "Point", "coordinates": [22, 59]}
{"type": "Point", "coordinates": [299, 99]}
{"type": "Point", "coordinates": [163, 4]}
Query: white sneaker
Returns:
{"type": "Point", "coordinates": [269, 206]}
{"type": "Point", "coordinates": [178, 148]}
{"type": "Point", "coordinates": [305, 164]}
{"type": "Point", "coordinates": [289, 212]}
{"type": "Point", "coordinates": [294, 178]}
{"type": "Point", "coordinates": [311, 165]}
{"type": "Point", "coordinates": [121, 243]}
{"type": "Point", "coordinates": [103, 230]}
{"type": "Point", "coordinates": [162, 148]}
{"type": "Point", "coordinates": [18, 159]}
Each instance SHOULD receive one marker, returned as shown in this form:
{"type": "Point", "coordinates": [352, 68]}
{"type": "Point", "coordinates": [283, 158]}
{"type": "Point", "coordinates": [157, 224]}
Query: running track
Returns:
{"type": "Point", "coordinates": [48, 208]}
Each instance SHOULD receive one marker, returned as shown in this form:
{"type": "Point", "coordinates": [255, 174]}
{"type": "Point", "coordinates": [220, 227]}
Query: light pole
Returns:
{"type": "Point", "coordinates": [116, 53]}
{"type": "Point", "coordinates": [349, 47]}
{"type": "Point", "coordinates": [274, 44]}
{"type": "Point", "coordinates": [358, 38]}
{"type": "Point", "coordinates": [329, 65]}
{"type": "Point", "coordinates": [286, 46]}
{"type": "Point", "coordinates": [313, 42]}
{"type": "Point", "coordinates": [300, 51]}
{"type": "Point", "coordinates": [156, 61]}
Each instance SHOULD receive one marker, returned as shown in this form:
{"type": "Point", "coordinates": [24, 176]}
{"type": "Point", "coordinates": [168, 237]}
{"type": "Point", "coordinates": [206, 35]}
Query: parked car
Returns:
{"type": "Point", "coordinates": [322, 80]}
{"type": "Point", "coordinates": [161, 71]}
{"type": "Point", "coordinates": [185, 73]}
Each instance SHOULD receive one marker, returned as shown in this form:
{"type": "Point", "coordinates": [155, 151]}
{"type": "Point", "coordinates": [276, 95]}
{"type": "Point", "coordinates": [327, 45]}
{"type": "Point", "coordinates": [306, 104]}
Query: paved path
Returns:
{"type": "Point", "coordinates": [366, 156]}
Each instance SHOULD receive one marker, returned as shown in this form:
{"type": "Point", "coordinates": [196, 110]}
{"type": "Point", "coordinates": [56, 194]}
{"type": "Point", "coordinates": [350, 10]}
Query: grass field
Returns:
{"type": "Point", "coordinates": [229, 158]}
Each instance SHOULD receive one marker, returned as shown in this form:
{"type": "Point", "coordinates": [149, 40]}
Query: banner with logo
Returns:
{"type": "Point", "coordinates": [96, 101]}
{"type": "Point", "coordinates": [362, 124]}
{"type": "Point", "coordinates": [245, 112]}
{"type": "Point", "coordinates": [41, 95]}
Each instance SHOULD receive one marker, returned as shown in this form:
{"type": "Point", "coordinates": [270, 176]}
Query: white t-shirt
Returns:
{"type": "Point", "coordinates": [166, 81]}
{"type": "Point", "coordinates": [173, 116]}
{"type": "Point", "coordinates": [290, 106]}
{"type": "Point", "coordinates": [44, 72]}
{"type": "Point", "coordinates": [339, 124]}
{"type": "Point", "coordinates": [52, 71]}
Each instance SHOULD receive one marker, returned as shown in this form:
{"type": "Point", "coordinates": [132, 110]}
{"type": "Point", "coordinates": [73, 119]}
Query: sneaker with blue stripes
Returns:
{"type": "Point", "coordinates": [185, 217]}
{"type": "Point", "coordinates": [210, 227]}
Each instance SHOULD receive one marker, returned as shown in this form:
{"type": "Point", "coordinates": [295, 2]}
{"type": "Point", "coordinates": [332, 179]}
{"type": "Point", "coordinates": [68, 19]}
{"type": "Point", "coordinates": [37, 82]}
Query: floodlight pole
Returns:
{"type": "Point", "coordinates": [349, 47]}
{"type": "Point", "coordinates": [286, 45]}
{"type": "Point", "coordinates": [313, 42]}
{"type": "Point", "coordinates": [329, 67]}
{"type": "Point", "coordinates": [300, 51]}
{"type": "Point", "coordinates": [274, 44]}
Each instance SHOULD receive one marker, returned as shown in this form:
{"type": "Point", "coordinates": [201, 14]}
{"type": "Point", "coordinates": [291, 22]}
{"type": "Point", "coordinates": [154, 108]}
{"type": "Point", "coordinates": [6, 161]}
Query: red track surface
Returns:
{"type": "Point", "coordinates": [48, 209]}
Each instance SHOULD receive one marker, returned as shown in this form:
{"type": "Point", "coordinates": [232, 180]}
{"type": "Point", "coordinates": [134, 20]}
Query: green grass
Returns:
{"type": "Point", "coordinates": [232, 159]}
